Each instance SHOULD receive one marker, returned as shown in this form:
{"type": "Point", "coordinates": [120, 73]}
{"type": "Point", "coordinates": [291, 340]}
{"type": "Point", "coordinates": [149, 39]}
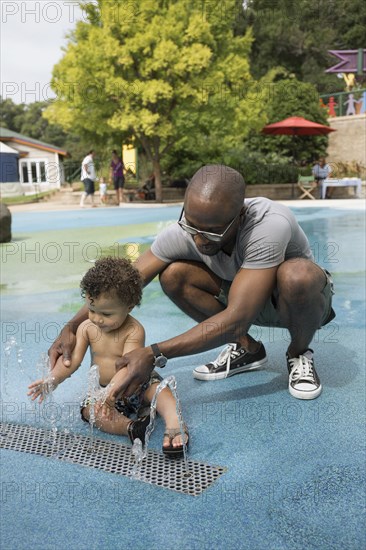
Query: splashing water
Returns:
{"type": "Point", "coordinates": [46, 373]}
{"type": "Point", "coordinates": [138, 451]}
{"type": "Point", "coordinates": [5, 370]}
{"type": "Point", "coordinates": [94, 394]}
{"type": "Point", "coordinates": [9, 345]}
{"type": "Point", "coordinates": [138, 455]}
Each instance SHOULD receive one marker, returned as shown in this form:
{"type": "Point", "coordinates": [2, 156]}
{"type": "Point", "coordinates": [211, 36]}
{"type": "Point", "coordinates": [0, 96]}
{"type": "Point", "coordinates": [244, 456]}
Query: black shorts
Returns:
{"type": "Point", "coordinates": [119, 182]}
{"type": "Point", "coordinates": [269, 316]}
{"type": "Point", "coordinates": [89, 186]}
{"type": "Point", "coordinates": [132, 405]}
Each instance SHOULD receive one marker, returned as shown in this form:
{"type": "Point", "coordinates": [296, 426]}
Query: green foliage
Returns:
{"type": "Point", "coordinates": [269, 168]}
{"type": "Point", "coordinates": [10, 114]}
{"type": "Point", "coordinates": [288, 98]}
{"type": "Point", "coordinates": [27, 119]}
{"type": "Point", "coordinates": [161, 75]}
{"type": "Point", "coordinates": [297, 36]}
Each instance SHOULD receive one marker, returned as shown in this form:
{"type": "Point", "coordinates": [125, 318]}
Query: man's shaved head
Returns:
{"type": "Point", "coordinates": [216, 182]}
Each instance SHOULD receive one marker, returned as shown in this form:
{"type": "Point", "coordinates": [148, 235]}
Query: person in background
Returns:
{"type": "Point", "coordinates": [88, 178]}
{"type": "Point", "coordinates": [102, 191]}
{"type": "Point", "coordinates": [117, 176]}
{"type": "Point", "coordinates": [322, 171]}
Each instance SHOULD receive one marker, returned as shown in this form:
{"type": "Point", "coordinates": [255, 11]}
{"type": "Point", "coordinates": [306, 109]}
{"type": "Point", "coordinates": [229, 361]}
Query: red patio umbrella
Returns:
{"type": "Point", "coordinates": [296, 126]}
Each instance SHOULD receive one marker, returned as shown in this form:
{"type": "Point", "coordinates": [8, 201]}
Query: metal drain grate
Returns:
{"type": "Point", "coordinates": [110, 457]}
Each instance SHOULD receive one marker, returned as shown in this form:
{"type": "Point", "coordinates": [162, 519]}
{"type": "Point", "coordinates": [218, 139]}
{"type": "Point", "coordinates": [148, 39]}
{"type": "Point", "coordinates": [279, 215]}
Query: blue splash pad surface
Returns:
{"type": "Point", "coordinates": [295, 469]}
{"type": "Point", "coordinates": [93, 217]}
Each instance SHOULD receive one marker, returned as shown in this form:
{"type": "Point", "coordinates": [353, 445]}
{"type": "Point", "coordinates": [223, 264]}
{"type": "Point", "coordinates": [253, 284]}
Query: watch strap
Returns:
{"type": "Point", "coordinates": [156, 350]}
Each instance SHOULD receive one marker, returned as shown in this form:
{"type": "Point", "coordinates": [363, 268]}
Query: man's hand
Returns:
{"type": "Point", "coordinates": [137, 366]}
{"type": "Point", "coordinates": [63, 345]}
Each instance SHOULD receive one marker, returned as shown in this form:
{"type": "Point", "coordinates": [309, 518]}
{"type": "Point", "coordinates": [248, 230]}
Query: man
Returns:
{"type": "Point", "coordinates": [117, 177]}
{"type": "Point", "coordinates": [228, 264]}
{"type": "Point", "coordinates": [321, 171]}
{"type": "Point", "coordinates": [88, 178]}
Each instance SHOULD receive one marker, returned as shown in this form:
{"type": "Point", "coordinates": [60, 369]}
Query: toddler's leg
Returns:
{"type": "Point", "coordinates": [166, 407]}
{"type": "Point", "coordinates": [117, 425]}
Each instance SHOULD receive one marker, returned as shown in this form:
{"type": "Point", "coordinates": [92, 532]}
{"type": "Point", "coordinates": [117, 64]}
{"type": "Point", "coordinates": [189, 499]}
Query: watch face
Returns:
{"type": "Point", "coordinates": [160, 361]}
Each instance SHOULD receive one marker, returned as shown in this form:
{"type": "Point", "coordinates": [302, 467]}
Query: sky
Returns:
{"type": "Point", "coordinates": [32, 35]}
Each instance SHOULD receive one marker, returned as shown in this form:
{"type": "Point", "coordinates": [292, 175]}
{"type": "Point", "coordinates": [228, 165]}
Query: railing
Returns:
{"type": "Point", "coordinates": [72, 170]}
{"type": "Point", "coordinates": [344, 103]}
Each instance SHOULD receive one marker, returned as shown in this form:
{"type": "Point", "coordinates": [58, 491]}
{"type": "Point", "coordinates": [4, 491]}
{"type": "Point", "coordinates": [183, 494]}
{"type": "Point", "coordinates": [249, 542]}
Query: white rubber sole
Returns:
{"type": "Point", "coordinates": [305, 394]}
{"type": "Point", "coordinates": [220, 375]}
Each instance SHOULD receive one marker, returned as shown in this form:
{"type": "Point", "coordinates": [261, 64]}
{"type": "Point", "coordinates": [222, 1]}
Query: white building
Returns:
{"type": "Point", "coordinates": [37, 168]}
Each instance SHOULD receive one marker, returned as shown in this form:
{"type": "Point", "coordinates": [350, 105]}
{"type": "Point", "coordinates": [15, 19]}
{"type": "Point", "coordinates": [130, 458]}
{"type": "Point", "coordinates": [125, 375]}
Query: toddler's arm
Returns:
{"type": "Point", "coordinates": [40, 388]}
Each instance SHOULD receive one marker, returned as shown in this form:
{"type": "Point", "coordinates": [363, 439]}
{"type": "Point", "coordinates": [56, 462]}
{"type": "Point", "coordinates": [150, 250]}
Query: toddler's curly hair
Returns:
{"type": "Point", "coordinates": [113, 275]}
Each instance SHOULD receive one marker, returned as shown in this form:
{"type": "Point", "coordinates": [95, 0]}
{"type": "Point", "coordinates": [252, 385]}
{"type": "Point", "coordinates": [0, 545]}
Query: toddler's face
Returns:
{"type": "Point", "coordinates": [107, 312]}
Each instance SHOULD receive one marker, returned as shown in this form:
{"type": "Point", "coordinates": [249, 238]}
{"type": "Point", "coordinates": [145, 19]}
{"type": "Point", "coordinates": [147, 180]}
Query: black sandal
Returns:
{"type": "Point", "coordinates": [137, 428]}
{"type": "Point", "coordinates": [171, 451]}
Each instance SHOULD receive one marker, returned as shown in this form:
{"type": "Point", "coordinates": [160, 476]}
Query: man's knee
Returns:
{"type": "Point", "coordinates": [173, 277]}
{"type": "Point", "coordinates": [299, 277]}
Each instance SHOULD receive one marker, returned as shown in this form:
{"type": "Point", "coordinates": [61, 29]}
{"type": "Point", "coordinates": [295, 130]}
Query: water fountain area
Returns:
{"type": "Point", "coordinates": [264, 470]}
{"type": "Point", "coordinates": [137, 462]}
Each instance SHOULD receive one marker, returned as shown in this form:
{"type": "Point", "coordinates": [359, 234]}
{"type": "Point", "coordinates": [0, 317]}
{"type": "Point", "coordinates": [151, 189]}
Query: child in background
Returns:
{"type": "Point", "coordinates": [102, 191]}
{"type": "Point", "coordinates": [111, 288]}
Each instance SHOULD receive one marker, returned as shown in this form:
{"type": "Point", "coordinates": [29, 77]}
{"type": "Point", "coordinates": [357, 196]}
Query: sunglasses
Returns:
{"type": "Point", "coordinates": [214, 237]}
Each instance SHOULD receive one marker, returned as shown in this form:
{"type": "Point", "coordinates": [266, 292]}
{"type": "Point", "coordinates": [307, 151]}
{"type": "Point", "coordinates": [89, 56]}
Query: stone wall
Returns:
{"type": "Point", "coordinates": [348, 143]}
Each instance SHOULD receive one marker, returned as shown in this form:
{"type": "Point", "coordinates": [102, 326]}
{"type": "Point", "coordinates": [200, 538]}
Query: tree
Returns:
{"type": "Point", "coordinates": [11, 114]}
{"type": "Point", "coordinates": [27, 119]}
{"type": "Point", "coordinates": [288, 97]}
{"type": "Point", "coordinates": [294, 98]}
{"type": "Point", "coordinates": [297, 36]}
{"type": "Point", "coordinates": [164, 75]}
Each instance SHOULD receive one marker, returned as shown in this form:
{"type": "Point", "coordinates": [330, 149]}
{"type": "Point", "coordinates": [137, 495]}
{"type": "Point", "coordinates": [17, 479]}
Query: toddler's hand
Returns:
{"type": "Point", "coordinates": [41, 388]}
{"type": "Point", "coordinates": [106, 409]}
{"type": "Point", "coordinates": [106, 405]}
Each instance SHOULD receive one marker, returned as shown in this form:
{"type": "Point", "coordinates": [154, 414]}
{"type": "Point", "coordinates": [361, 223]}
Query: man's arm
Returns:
{"type": "Point", "coordinates": [86, 167]}
{"type": "Point", "coordinates": [149, 266]}
{"type": "Point", "coordinates": [249, 292]}
{"type": "Point", "coordinates": [65, 342]}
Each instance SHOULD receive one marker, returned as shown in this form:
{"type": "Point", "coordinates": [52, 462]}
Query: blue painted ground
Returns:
{"type": "Point", "coordinates": [295, 469]}
{"type": "Point", "coordinates": [93, 217]}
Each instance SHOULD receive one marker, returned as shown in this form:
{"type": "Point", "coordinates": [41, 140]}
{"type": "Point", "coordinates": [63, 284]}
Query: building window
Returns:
{"type": "Point", "coordinates": [33, 171]}
{"type": "Point", "coordinates": [24, 173]}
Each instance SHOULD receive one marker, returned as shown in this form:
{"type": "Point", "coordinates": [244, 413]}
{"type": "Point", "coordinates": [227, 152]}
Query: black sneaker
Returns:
{"type": "Point", "coordinates": [232, 360]}
{"type": "Point", "coordinates": [303, 381]}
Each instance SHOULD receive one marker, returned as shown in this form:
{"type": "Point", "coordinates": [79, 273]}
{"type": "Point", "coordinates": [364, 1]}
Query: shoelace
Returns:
{"type": "Point", "coordinates": [225, 356]}
{"type": "Point", "coordinates": [302, 369]}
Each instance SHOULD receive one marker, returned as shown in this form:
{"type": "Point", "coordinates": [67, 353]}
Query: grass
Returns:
{"type": "Point", "coordinates": [27, 199]}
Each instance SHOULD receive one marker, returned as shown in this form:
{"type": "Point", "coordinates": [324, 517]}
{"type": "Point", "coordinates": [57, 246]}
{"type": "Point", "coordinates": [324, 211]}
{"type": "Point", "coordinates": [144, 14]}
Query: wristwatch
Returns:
{"type": "Point", "coordinates": [159, 359]}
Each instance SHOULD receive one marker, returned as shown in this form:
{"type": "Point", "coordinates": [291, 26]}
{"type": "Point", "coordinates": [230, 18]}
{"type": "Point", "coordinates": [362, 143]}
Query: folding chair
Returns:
{"type": "Point", "coordinates": [307, 185]}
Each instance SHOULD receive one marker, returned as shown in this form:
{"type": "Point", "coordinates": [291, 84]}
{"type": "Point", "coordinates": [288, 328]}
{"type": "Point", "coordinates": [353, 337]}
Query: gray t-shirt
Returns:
{"type": "Point", "coordinates": [268, 235]}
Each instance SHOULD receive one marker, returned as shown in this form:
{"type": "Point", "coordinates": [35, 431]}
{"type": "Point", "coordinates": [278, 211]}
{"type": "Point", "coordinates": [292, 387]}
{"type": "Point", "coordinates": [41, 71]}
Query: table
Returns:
{"type": "Point", "coordinates": [343, 182]}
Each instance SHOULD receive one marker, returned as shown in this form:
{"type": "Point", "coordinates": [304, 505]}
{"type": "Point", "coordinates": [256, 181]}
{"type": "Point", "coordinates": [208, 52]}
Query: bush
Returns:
{"type": "Point", "coordinates": [258, 168]}
{"type": "Point", "coordinates": [348, 170]}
